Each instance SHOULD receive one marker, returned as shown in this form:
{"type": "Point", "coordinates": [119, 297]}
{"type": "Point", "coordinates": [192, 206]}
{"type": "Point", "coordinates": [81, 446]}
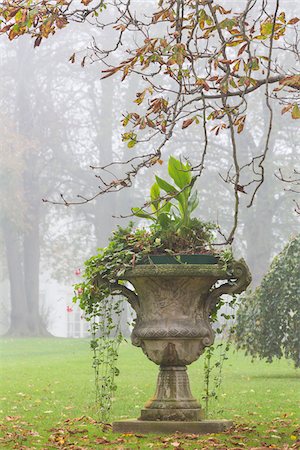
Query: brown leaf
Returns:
{"type": "Point", "coordinates": [191, 436]}
{"type": "Point", "coordinates": [110, 72]}
{"type": "Point", "coordinates": [6, 28]}
{"type": "Point", "coordinates": [12, 418]}
{"type": "Point", "coordinates": [291, 81]}
{"type": "Point", "coordinates": [61, 22]}
{"type": "Point", "coordinates": [286, 108]}
{"type": "Point", "coordinates": [262, 448]}
{"type": "Point", "coordinates": [187, 123]}
{"type": "Point", "coordinates": [225, 61]}
{"type": "Point", "coordinates": [241, 189]}
{"type": "Point", "coordinates": [102, 440]}
{"type": "Point", "coordinates": [293, 21]}
{"type": "Point", "coordinates": [12, 12]}
{"type": "Point", "coordinates": [242, 49]}
{"type": "Point", "coordinates": [72, 58]}
{"type": "Point", "coordinates": [37, 41]}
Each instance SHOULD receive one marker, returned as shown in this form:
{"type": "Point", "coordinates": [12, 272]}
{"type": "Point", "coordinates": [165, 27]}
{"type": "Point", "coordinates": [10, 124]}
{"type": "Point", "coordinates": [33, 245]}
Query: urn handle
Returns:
{"type": "Point", "coordinates": [238, 280]}
{"type": "Point", "coordinates": [118, 288]}
{"type": "Point", "coordinates": [130, 295]}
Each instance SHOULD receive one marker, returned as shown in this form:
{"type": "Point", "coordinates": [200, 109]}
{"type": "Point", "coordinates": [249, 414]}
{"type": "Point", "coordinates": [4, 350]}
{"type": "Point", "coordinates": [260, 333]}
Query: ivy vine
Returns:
{"type": "Point", "coordinates": [216, 355]}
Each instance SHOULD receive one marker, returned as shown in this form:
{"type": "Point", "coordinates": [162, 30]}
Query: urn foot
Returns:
{"type": "Point", "coordinates": [173, 399]}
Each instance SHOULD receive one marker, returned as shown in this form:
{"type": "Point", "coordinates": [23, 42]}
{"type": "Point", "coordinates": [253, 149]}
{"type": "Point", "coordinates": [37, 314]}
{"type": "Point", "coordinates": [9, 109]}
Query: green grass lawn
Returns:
{"type": "Point", "coordinates": [47, 399]}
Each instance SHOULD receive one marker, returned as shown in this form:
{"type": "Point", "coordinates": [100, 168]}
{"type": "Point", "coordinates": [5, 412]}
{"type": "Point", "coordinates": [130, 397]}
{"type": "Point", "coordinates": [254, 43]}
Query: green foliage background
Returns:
{"type": "Point", "coordinates": [268, 320]}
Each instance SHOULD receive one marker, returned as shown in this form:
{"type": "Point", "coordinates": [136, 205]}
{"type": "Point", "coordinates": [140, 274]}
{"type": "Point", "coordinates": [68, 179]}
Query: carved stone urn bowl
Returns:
{"type": "Point", "coordinates": [173, 304]}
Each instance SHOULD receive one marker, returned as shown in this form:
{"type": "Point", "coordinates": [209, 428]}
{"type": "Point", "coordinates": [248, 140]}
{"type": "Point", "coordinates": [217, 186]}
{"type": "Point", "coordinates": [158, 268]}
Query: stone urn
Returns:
{"type": "Point", "coordinates": [173, 305]}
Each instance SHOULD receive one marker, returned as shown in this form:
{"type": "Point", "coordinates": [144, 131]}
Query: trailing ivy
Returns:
{"type": "Point", "coordinates": [268, 320]}
{"type": "Point", "coordinates": [216, 355]}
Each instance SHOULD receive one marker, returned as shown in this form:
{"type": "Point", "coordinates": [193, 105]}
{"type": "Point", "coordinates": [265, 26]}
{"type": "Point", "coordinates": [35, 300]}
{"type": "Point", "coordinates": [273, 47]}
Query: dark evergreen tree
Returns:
{"type": "Point", "coordinates": [268, 324]}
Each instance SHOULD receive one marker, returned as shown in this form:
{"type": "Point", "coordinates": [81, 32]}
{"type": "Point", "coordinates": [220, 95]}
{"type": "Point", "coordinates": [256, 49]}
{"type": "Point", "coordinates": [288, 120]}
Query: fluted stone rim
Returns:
{"type": "Point", "coordinates": [176, 270]}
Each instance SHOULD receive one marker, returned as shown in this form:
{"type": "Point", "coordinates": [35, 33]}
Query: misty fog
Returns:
{"type": "Point", "coordinates": [57, 119]}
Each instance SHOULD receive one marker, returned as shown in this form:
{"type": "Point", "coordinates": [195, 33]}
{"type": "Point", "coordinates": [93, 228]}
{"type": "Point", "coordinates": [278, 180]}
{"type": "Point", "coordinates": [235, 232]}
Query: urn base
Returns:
{"type": "Point", "coordinates": [172, 414]}
{"type": "Point", "coordinates": [170, 427]}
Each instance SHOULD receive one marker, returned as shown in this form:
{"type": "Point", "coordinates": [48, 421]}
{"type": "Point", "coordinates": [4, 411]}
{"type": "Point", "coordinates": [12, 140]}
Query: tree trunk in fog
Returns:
{"type": "Point", "coordinates": [23, 248]}
{"type": "Point", "coordinates": [31, 249]}
{"type": "Point", "coordinates": [19, 312]}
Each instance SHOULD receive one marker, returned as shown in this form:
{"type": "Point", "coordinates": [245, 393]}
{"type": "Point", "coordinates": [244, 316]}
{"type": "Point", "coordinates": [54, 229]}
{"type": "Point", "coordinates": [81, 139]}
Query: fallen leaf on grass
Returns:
{"type": "Point", "coordinates": [282, 422]}
{"type": "Point", "coordinates": [88, 420]}
{"type": "Point", "coordinates": [241, 428]}
{"type": "Point", "coordinates": [101, 441]}
{"type": "Point", "coordinates": [58, 438]}
{"type": "Point", "coordinates": [32, 433]}
{"type": "Point", "coordinates": [164, 439]}
{"type": "Point", "coordinates": [12, 418]}
{"type": "Point", "coordinates": [191, 436]}
{"type": "Point", "coordinates": [212, 440]}
{"type": "Point", "coordinates": [75, 447]}
{"type": "Point", "coordinates": [264, 448]}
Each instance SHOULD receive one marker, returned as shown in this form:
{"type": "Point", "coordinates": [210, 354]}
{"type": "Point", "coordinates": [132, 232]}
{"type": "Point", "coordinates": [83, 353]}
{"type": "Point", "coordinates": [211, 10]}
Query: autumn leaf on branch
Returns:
{"type": "Point", "coordinates": [291, 81]}
{"type": "Point", "coordinates": [187, 123]}
{"type": "Point", "coordinates": [296, 112]}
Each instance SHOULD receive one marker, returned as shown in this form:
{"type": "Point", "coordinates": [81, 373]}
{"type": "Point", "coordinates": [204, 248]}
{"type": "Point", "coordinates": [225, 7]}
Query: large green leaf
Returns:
{"type": "Point", "coordinates": [165, 186]}
{"type": "Point", "coordinates": [155, 197]}
{"type": "Point", "coordinates": [154, 192]}
{"type": "Point", "coordinates": [179, 172]}
{"type": "Point", "coordinates": [193, 202]}
{"type": "Point", "coordinates": [138, 212]}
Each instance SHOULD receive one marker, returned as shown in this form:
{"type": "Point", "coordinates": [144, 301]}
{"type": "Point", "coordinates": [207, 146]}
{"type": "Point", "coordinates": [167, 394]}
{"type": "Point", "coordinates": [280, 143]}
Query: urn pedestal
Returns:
{"type": "Point", "coordinates": [173, 304]}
